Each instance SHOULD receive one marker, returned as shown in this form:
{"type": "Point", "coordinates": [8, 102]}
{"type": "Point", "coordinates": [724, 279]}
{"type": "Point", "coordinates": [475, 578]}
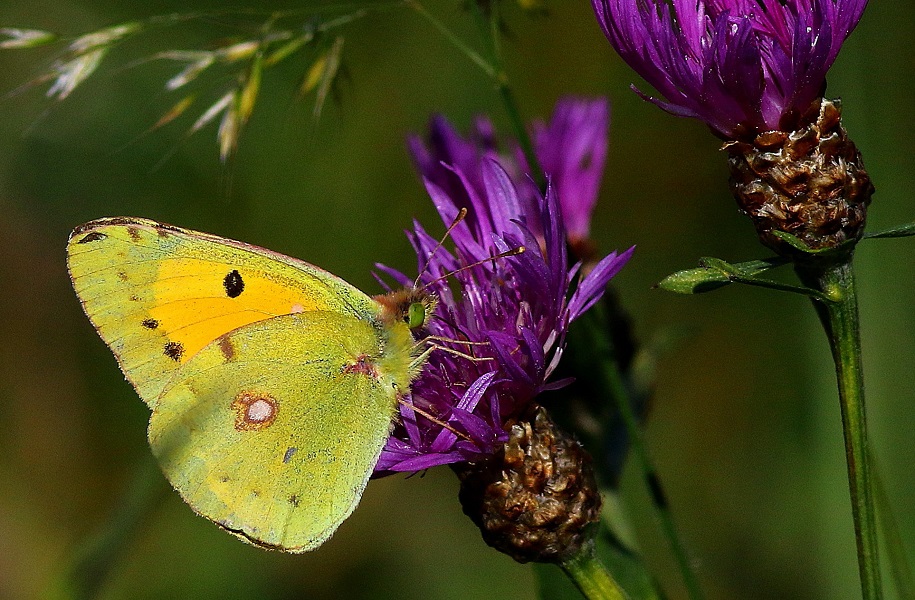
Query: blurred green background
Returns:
{"type": "Point", "coordinates": [745, 425]}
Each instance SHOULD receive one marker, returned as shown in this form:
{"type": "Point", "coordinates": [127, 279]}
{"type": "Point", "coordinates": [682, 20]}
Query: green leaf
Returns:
{"type": "Point", "coordinates": [798, 244]}
{"type": "Point", "coordinates": [714, 273]}
{"type": "Point", "coordinates": [794, 241]}
{"type": "Point", "coordinates": [893, 232]}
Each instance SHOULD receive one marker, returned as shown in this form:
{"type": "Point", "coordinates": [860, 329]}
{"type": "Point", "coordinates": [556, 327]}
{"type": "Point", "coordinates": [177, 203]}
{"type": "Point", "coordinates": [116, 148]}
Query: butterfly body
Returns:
{"type": "Point", "coordinates": [272, 383]}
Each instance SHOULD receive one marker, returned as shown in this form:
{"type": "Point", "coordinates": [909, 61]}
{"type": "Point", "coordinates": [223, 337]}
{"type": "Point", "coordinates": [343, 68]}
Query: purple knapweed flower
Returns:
{"type": "Point", "coordinates": [742, 66]}
{"type": "Point", "coordinates": [571, 148]}
{"type": "Point", "coordinates": [514, 310]}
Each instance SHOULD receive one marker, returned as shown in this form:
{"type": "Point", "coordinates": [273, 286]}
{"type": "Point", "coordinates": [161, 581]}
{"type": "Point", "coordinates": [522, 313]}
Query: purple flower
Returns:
{"type": "Point", "coordinates": [514, 309]}
{"type": "Point", "coordinates": [571, 150]}
{"type": "Point", "coordinates": [742, 66]}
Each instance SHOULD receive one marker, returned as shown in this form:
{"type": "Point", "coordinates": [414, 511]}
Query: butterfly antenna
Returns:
{"type": "Point", "coordinates": [435, 420]}
{"type": "Point", "coordinates": [512, 252]}
{"type": "Point", "coordinates": [460, 217]}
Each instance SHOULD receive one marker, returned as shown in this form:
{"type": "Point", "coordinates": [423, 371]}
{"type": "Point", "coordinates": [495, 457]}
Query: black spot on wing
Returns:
{"type": "Point", "coordinates": [150, 323]}
{"type": "Point", "coordinates": [233, 284]}
{"type": "Point", "coordinates": [174, 350]}
{"type": "Point", "coordinates": [289, 452]}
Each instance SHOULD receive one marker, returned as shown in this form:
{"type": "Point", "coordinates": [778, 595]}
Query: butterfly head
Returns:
{"type": "Point", "coordinates": [411, 306]}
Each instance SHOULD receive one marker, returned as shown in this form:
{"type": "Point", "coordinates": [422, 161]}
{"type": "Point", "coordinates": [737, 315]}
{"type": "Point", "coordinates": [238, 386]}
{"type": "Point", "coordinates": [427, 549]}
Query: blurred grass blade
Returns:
{"type": "Point", "coordinates": [90, 564]}
{"type": "Point", "coordinates": [75, 71]}
{"type": "Point", "coordinates": [229, 129]}
{"type": "Point", "coordinates": [900, 569]}
{"type": "Point", "coordinates": [212, 112]}
{"type": "Point", "coordinates": [240, 51]}
{"type": "Point", "coordinates": [104, 37]}
{"type": "Point", "coordinates": [331, 68]}
{"type": "Point", "coordinates": [247, 98]}
{"type": "Point", "coordinates": [313, 77]}
{"type": "Point", "coordinates": [25, 38]}
{"type": "Point", "coordinates": [175, 111]}
{"type": "Point", "coordinates": [288, 49]}
{"type": "Point", "coordinates": [199, 62]}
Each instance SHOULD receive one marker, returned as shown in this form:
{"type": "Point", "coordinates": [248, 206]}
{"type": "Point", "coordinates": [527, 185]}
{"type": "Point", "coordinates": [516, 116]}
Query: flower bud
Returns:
{"type": "Point", "coordinates": [810, 183]}
{"type": "Point", "coordinates": [535, 499]}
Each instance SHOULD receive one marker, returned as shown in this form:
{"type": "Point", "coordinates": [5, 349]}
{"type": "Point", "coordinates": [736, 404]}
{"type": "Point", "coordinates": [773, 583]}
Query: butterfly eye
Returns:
{"type": "Point", "coordinates": [416, 315]}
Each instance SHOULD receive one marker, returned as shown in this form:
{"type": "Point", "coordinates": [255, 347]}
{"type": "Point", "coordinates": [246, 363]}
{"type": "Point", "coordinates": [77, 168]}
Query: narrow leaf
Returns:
{"type": "Point", "coordinates": [715, 273]}
{"type": "Point", "coordinates": [893, 232]}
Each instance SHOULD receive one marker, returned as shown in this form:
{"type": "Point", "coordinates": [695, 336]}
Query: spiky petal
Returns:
{"type": "Point", "coordinates": [742, 66]}
{"type": "Point", "coordinates": [515, 309]}
{"type": "Point", "coordinates": [571, 148]}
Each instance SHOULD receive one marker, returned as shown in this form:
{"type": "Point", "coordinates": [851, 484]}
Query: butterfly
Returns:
{"type": "Point", "coordinates": [273, 384]}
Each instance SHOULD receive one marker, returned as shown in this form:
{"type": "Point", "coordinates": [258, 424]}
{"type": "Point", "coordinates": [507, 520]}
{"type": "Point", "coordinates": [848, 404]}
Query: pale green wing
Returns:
{"type": "Point", "coordinates": [272, 430]}
{"type": "Point", "coordinates": [157, 294]}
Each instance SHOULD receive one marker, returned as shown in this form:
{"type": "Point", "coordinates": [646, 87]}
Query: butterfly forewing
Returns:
{"type": "Point", "coordinates": [157, 294]}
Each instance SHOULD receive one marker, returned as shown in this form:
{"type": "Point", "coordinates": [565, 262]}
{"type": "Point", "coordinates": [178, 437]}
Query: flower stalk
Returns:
{"type": "Point", "coordinates": [92, 562]}
{"type": "Point", "coordinates": [489, 30]}
{"type": "Point", "coordinates": [616, 389]}
{"type": "Point", "coordinates": [840, 320]}
{"type": "Point", "coordinates": [591, 577]}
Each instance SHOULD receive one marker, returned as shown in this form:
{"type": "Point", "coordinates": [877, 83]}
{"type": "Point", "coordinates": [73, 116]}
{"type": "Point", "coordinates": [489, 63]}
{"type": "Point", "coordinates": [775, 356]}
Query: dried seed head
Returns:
{"type": "Point", "coordinates": [810, 183]}
{"type": "Point", "coordinates": [536, 498]}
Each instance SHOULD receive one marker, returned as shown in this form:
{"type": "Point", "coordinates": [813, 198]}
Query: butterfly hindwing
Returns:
{"type": "Point", "coordinates": [272, 430]}
{"type": "Point", "coordinates": [158, 294]}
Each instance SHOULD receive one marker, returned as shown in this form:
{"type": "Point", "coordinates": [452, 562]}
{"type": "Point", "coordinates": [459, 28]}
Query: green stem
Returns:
{"type": "Point", "coordinates": [458, 43]}
{"type": "Point", "coordinates": [489, 30]}
{"type": "Point", "coordinates": [659, 500]}
{"type": "Point", "coordinates": [601, 370]}
{"type": "Point", "coordinates": [840, 320]}
{"type": "Point", "coordinates": [900, 569]}
{"type": "Point", "coordinates": [592, 578]}
{"type": "Point", "coordinates": [91, 563]}
{"type": "Point", "coordinates": [495, 70]}
{"type": "Point", "coordinates": [524, 138]}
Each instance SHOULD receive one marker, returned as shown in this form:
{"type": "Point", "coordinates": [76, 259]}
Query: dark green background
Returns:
{"type": "Point", "coordinates": [745, 425]}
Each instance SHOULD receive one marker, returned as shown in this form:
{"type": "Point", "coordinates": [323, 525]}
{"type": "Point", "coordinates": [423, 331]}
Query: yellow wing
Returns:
{"type": "Point", "coordinates": [272, 430]}
{"type": "Point", "coordinates": [158, 294]}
